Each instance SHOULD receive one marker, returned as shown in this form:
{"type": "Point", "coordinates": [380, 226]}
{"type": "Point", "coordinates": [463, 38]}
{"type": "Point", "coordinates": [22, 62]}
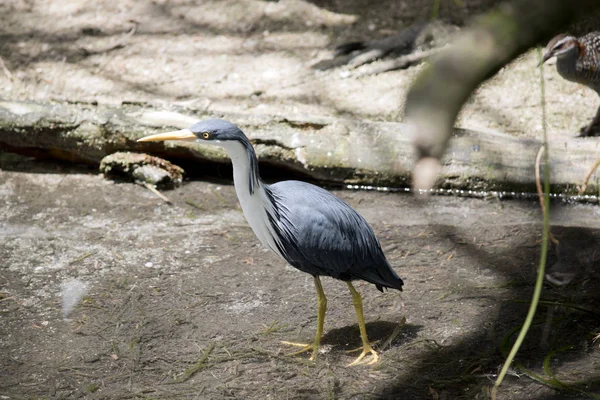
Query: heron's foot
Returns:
{"type": "Point", "coordinates": [314, 347]}
{"type": "Point", "coordinates": [366, 349]}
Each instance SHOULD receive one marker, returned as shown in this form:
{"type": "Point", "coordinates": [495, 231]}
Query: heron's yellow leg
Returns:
{"type": "Point", "coordinates": [321, 309]}
{"type": "Point", "coordinates": [366, 346]}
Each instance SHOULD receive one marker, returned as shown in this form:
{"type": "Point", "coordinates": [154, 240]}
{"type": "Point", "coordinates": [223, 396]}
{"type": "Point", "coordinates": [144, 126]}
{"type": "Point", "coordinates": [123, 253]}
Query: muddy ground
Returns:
{"type": "Point", "coordinates": [183, 302]}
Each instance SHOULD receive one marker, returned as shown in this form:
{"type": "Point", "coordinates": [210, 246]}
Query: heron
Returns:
{"type": "Point", "coordinates": [307, 226]}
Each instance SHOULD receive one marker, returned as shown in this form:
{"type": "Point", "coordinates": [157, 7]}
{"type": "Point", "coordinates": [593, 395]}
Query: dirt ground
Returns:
{"type": "Point", "coordinates": [183, 303]}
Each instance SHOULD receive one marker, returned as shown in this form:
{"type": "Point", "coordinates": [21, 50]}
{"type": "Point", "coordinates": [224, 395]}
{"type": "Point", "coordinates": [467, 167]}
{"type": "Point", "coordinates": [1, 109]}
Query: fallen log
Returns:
{"type": "Point", "coordinates": [324, 149]}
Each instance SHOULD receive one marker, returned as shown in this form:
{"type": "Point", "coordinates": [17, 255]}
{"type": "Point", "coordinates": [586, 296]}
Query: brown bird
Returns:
{"type": "Point", "coordinates": [578, 60]}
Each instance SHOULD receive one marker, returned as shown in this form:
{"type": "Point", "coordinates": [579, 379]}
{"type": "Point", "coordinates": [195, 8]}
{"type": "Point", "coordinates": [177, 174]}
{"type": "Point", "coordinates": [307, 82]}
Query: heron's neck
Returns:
{"type": "Point", "coordinates": [252, 193]}
{"type": "Point", "coordinates": [245, 168]}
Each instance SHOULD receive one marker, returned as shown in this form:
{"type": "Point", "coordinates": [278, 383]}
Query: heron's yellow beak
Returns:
{"type": "Point", "coordinates": [184, 134]}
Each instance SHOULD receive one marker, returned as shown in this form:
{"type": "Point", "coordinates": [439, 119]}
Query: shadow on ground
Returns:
{"type": "Point", "coordinates": [183, 303]}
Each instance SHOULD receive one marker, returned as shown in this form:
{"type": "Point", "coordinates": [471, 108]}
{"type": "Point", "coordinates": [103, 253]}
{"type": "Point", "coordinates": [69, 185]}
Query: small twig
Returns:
{"type": "Point", "coordinates": [583, 187]}
{"type": "Point", "coordinates": [194, 204]}
{"type": "Point", "coordinates": [394, 334]}
{"type": "Point", "coordinates": [9, 298]}
{"type": "Point", "coordinates": [274, 327]}
{"type": "Point", "coordinates": [5, 69]}
{"type": "Point", "coordinates": [76, 372]}
{"type": "Point", "coordinates": [188, 373]}
{"type": "Point", "coordinates": [83, 257]}
{"type": "Point", "coordinates": [156, 192]}
{"type": "Point", "coordinates": [540, 191]}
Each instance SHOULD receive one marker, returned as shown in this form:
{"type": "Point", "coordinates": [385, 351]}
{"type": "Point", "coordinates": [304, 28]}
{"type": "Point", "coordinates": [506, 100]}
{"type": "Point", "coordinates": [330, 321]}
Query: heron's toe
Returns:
{"type": "Point", "coordinates": [304, 348]}
{"type": "Point", "coordinates": [365, 351]}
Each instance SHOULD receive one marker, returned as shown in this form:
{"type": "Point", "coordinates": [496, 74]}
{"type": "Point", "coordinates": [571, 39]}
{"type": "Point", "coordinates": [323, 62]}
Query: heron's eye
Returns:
{"type": "Point", "coordinates": [205, 135]}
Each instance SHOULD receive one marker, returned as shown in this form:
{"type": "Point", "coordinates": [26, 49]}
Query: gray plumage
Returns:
{"type": "Point", "coordinates": [322, 235]}
{"type": "Point", "coordinates": [578, 60]}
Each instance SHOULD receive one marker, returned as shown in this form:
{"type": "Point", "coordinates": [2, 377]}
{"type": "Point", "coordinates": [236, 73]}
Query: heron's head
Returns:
{"type": "Point", "coordinates": [211, 131]}
{"type": "Point", "coordinates": [561, 46]}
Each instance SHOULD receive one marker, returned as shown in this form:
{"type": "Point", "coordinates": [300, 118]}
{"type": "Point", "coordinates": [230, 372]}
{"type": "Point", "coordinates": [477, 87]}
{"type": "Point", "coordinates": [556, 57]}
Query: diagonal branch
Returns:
{"type": "Point", "coordinates": [495, 39]}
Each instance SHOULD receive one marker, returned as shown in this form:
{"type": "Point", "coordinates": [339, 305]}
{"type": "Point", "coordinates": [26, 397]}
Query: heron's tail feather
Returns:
{"type": "Point", "coordinates": [382, 278]}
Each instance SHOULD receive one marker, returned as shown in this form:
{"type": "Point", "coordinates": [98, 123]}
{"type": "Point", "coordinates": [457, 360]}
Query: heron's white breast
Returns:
{"type": "Point", "coordinates": [256, 205]}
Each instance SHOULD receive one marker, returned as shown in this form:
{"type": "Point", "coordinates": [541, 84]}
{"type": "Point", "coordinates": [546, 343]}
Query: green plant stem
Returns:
{"type": "Point", "coordinates": [435, 10]}
{"type": "Point", "coordinates": [545, 236]}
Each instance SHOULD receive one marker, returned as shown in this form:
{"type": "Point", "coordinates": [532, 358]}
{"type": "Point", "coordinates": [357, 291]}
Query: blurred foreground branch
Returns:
{"type": "Point", "coordinates": [495, 39]}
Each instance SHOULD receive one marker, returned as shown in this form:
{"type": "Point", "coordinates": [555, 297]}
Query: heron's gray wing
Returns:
{"type": "Point", "coordinates": [322, 235]}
